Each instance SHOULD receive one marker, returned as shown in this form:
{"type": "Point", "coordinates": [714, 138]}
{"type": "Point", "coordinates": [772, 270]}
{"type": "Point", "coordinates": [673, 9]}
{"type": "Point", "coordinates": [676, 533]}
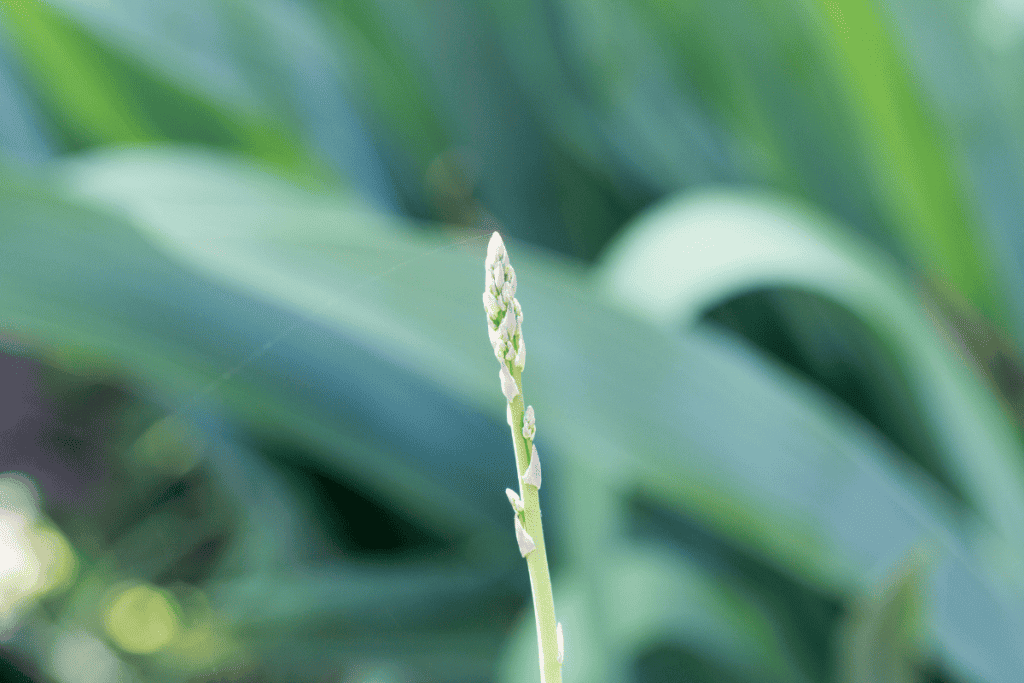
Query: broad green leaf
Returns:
{"type": "Point", "coordinates": [912, 168]}
{"type": "Point", "coordinates": [239, 62]}
{"type": "Point", "coordinates": [804, 484]}
{"type": "Point", "coordinates": [965, 64]}
{"type": "Point", "coordinates": [100, 97]}
{"type": "Point", "coordinates": [22, 133]}
{"type": "Point", "coordinates": [650, 597]}
{"type": "Point", "coordinates": [79, 85]}
{"type": "Point", "coordinates": [697, 251]}
{"type": "Point", "coordinates": [702, 250]}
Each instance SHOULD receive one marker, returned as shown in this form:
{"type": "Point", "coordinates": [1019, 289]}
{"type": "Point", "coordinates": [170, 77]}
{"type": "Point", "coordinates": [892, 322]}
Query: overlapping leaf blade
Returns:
{"type": "Point", "coordinates": [870, 508]}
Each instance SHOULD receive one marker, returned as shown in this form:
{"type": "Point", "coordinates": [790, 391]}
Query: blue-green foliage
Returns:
{"type": "Point", "coordinates": [771, 269]}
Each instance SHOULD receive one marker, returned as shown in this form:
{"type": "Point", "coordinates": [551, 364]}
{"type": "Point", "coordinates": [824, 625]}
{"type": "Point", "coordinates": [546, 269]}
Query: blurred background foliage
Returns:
{"type": "Point", "coordinates": [771, 259]}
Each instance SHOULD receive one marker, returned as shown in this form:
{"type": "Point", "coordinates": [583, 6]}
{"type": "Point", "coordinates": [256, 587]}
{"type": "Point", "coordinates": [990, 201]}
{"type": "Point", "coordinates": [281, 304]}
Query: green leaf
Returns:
{"type": "Point", "coordinates": [701, 250]}
{"type": "Point", "coordinates": [912, 166]}
{"type": "Point", "coordinates": [881, 639]}
{"type": "Point", "coordinates": [101, 97]}
{"type": "Point", "coordinates": [647, 597]}
{"type": "Point", "coordinates": [804, 484]}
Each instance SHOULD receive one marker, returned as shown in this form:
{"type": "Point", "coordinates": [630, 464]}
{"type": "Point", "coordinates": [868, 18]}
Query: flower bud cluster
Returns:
{"type": "Point", "coordinates": [504, 314]}
{"type": "Point", "coordinates": [529, 424]}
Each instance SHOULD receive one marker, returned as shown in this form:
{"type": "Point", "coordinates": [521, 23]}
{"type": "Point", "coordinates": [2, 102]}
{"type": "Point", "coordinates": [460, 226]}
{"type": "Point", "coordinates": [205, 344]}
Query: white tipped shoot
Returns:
{"type": "Point", "coordinates": [495, 249]}
{"type": "Point", "coordinates": [525, 541]}
{"type": "Point", "coordinates": [504, 314]}
{"type": "Point", "coordinates": [505, 331]}
{"type": "Point", "coordinates": [513, 497]}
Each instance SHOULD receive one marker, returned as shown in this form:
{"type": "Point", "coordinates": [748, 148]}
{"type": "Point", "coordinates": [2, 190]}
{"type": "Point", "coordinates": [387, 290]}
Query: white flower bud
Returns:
{"type": "Point", "coordinates": [526, 544]}
{"type": "Point", "coordinates": [529, 424]}
{"type": "Point", "coordinates": [495, 249]}
{"type": "Point", "coordinates": [532, 474]}
{"type": "Point", "coordinates": [507, 295]}
{"type": "Point", "coordinates": [508, 327]}
{"type": "Point", "coordinates": [513, 497]}
{"type": "Point", "coordinates": [508, 385]}
{"type": "Point", "coordinates": [498, 273]}
{"type": "Point", "coordinates": [561, 642]}
{"type": "Point", "coordinates": [518, 311]}
{"type": "Point", "coordinates": [520, 359]}
{"type": "Point", "coordinates": [491, 306]}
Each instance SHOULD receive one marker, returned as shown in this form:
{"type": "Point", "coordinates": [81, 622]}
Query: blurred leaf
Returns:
{"type": "Point", "coordinates": [964, 67]}
{"type": "Point", "coordinates": [650, 597]}
{"type": "Point", "coordinates": [101, 98]}
{"type": "Point", "coordinates": [804, 484]}
{"type": "Point", "coordinates": [79, 83]}
{"type": "Point", "coordinates": [881, 642]}
{"type": "Point", "coordinates": [705, 249]}
{"type": "Point", "coordinates": [751, 485]}
{"type": "Point", "coordinates": [912, 164]}
{"type": "Point", "coordinates": [23, 136]}
{"type": "Point", "coordinates": [388, 71]}
{"type": "Point", "coordinates": [291, 393]}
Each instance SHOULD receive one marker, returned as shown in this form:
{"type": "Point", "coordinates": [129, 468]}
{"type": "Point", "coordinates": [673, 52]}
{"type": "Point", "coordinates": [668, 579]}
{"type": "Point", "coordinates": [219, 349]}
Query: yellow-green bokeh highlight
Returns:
{"type": "Point", "coordinates": [141, 619]}
{"type": "Point", "coordinates": [170, 446]}
{"type": "Point", "coordinates": [205, 642]}
{"type": "Point", "coordinates": [57, 559]}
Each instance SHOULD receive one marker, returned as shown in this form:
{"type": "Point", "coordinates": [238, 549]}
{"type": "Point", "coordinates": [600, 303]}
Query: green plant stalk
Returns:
{"type": "Point", "coordinates": [537, 560]}
{"type": "Point", "coordinates": [505, 330]}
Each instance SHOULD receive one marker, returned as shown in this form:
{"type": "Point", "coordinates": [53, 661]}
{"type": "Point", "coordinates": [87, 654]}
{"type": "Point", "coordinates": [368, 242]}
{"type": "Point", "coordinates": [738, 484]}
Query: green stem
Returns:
{"type": "Point", "coordinates": [536, 561]}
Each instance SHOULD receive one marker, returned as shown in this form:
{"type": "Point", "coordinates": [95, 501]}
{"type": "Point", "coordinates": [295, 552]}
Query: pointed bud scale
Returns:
{"type": "Point", "coordinates": [510, 278]}
{"type": "Point", "coordinates": [526, 544]}
{"type": "Point", "coordinates": [508, 414]}
{"type": "Point", "coordinates": [498, 272]}
{"type": "Point", "coordinates": [518, 311]}
{"type": "Point", "coordinates": [498, 344]}
{"type": "Point", "coordinates": [489, 286]}
{"type": "Point", "coordinates": [491, 306]}
{"type": "Point", "coordinates": [507, 295]}
{"type": "Point", "coordinates": [508, 385]}
{"type": "Point", "coordinates": [513, 497]}
{"type": "Point", "coordinates": [508, 326]}
{"type": "Point", "coordinates": [532, 474]}
{"type": "Point", "coordinates": [561, 642]}
{"type": "Point", "coordinates": [520, 360]}
{"type": "Point", "coordinates": [529, 424]}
